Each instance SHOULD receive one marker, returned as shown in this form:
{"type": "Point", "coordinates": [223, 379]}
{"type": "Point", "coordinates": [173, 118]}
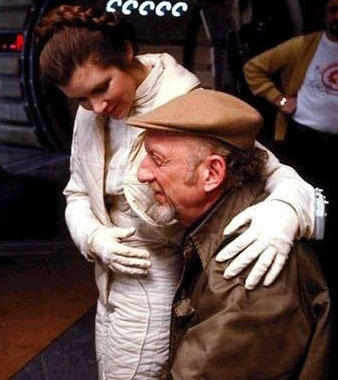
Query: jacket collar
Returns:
{"type": "Point", "coordinates": [148, 89]}
{"type": "Point", "coordinates": [207, 233]}
{"type": "Point", "coordinates": [166, 80]}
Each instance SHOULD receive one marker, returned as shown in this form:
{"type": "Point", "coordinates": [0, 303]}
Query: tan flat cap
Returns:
{"type": "Point", "coordinates": [205, 112]}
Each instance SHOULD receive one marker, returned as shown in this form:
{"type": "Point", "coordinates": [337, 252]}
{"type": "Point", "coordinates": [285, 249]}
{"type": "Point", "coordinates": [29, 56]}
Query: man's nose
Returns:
{"type": "Point", "coordinates": [98, 105]}
{"type": "Point", "coordinates": [145, 172]}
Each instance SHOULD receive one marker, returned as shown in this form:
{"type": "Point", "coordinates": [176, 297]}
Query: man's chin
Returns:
{"type": "Point", "coordinates": [163, 214]}
{"type": "Point", "coordinates": [160, 200]}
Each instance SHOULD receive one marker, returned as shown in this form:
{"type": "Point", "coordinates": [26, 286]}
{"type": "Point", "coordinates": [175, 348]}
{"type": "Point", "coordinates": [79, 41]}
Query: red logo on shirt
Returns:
{"type": "Point", "coordinates": [330, 77]}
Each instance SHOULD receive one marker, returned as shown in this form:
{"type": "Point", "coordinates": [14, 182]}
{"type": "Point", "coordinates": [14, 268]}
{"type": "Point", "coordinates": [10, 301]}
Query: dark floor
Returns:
{"type": "Point", "coordinates": [32, 227]}
{"type": "Point", "coordinates": [70, 357]}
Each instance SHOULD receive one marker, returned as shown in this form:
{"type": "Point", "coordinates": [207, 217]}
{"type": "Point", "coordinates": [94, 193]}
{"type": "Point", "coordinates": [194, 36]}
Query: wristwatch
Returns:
{"type": "Point", "coordinates": [282, 102]}
{"type": "Point", "coordinates": [320, 213]}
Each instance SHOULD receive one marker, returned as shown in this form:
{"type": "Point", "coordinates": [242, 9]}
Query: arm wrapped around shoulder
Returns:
{"type": "Point", "coordinates": [286, 214]}
{"type": "Point", "coordinates": [105, 244]}
{"type": "Point", "coordinates": [269, 238]}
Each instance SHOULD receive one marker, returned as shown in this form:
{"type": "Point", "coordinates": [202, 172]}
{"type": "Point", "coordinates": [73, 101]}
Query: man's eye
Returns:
{"type": "Point", "coordinates": [156, 160]}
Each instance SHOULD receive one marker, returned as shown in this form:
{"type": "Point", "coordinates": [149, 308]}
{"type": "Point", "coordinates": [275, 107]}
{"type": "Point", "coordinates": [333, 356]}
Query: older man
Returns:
{"type": "Point", "coordinates": [203, 169]}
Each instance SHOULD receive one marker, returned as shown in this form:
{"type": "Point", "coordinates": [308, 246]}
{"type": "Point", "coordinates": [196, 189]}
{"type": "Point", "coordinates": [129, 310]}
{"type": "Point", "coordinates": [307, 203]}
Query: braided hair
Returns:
{"type": "Point", "coordinates": [68, 36]}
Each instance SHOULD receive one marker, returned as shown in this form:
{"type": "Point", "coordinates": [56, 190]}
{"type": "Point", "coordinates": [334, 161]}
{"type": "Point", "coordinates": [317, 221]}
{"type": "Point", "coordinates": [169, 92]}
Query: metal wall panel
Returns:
{"type": "Point", "coordinates": [10, 88]}
{"type": "Point", "coordinates": [13, 134]}
{"type": "Point", "coordinates": [16, 3]}
{"type": "Point", "coordinates": [9, 65]}
{"type": "Point", "coordinates": [13, 112]}
{"type": "Point", "coordinates": [10, 19]}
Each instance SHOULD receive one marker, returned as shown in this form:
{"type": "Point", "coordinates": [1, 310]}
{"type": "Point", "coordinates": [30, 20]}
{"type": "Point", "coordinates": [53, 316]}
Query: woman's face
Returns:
{"type": "Point", "coordinates": [106, 91]}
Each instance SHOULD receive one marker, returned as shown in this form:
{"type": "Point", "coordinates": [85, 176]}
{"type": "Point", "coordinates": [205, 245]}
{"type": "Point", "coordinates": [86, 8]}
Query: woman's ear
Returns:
{"type": "Point", "coordinates": [215, 172]}
{"type": "Point", "coordinates": [129, 52]}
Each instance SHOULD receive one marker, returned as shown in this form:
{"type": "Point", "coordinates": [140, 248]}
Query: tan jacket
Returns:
{"type": "Point", "coordinates": [289, 59]}
{"type": "Point", "coordinates": [220, 330]}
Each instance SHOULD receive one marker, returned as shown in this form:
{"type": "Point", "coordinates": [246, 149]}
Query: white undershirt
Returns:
{"type": "Point", "coordinates": [317, 99]}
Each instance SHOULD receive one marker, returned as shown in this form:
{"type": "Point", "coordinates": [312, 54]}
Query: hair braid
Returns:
{"type": "Point", "coordinates": [70, 35]}
{"type": "Point", "coordinates": [75, 17]}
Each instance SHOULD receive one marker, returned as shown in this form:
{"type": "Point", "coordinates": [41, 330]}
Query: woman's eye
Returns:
{"type": "Point", "coordinates": [101, 89]}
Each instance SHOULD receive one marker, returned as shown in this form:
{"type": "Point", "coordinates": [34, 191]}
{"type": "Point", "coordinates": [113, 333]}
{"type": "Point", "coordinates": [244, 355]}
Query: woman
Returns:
{"type": "Point", "coordinates": [92, 57]}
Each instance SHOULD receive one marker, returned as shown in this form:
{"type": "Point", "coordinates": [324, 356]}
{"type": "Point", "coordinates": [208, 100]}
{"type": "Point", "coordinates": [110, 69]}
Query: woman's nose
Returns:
{"type": "Point", "coordinates": [145, 172]}
{"type": "Point", "coordinates": [98, 105]}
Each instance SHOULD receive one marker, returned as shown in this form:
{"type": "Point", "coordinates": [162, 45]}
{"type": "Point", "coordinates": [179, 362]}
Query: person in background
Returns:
{"type": "Point", "coordinates": [92, 56]}
{"type": "Point", "coordinates": [307, 120]}
{"type": "Point", "coordinates": [306, 98]}
{"type": "Point", "coordinates": [220, 330]}
{"type": "Point", "coordinates": [307, 95]}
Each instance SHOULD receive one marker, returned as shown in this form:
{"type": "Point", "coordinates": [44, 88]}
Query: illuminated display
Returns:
{"type": "Point", "coordinates": [147, 7]}
{"type": "Point", "coordinates": [11, 42]}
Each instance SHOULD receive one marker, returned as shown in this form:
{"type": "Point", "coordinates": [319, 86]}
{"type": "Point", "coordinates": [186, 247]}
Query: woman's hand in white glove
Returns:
{"type": "Point", "coordinates": [105, 243]}
{"type": "Point", "coordinates": [273, 228]}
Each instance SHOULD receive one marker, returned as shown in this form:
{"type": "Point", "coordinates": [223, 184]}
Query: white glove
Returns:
{"type": "Point", "coordinates": [105, 243]}
{"type": "Point", "coordinates": [270, 236]}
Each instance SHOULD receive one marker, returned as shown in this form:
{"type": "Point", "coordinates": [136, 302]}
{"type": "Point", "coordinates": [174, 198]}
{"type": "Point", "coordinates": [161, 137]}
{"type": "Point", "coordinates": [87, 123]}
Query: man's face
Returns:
{"type": "Point", "coordinates": [174, 176]}
{"type": "Point", "coordinates": [331, 21]}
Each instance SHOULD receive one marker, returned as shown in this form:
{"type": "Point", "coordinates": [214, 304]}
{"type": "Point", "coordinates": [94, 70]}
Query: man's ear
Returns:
{"type": "Point", "coordinates": [215, 172]}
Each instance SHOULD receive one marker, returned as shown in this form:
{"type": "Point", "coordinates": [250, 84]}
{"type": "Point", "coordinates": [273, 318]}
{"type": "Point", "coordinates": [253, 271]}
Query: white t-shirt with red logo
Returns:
{"type": "Point", "coordinates": [317, 100]}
